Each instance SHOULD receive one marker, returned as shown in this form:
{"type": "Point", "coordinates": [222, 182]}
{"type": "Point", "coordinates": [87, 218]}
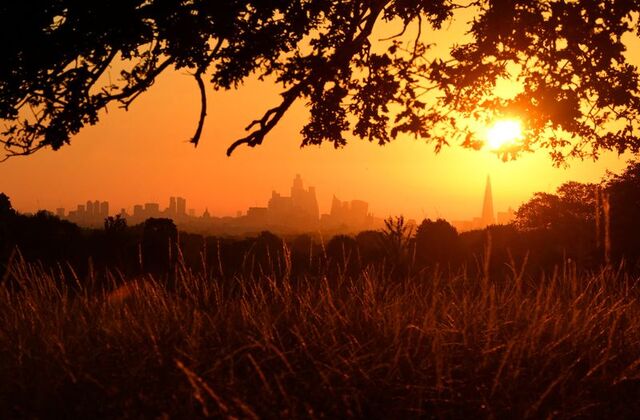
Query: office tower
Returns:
{"type": "Point", "coordinates": [257, 216]}
{"type": "Point", "coordinates": [304, 201]}
{"type": "Point", "coordinates": [89, 209]}
{"type": "Point", "coordinates": [352, 215]}
{"type": "Point", "coordinates": [138, 211]}
{"type": "Point", "coordinates": [173, 210]}
{"type": "Point", "coordinates": [152, 209]}
{"type": "Point", "coordinates": [359, 211]}
{"type": "Point", "coordinates": [297, 185]}
{"type": "Point", "coordinates": [104, 209]}
{"type": "Point", "coordinates": [487, 217]}
{"type": "Point", "coordinates": [181, 206]}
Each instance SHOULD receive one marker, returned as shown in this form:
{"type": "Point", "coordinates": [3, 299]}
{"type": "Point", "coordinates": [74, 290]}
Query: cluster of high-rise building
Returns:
{"type": "Point", "coordinates": [177, 210]}
{"type": "Point", "coordinates": [296, 213]}
{"type": "Point", "coordinates": [299, 212]}
{"type": "Point", "coordinates": [346, 215]}
{"type": "Point", "coordinates": [92, 213]}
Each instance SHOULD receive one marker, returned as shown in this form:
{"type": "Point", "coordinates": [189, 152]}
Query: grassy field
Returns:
{"type": "Point", "coordinates": [372, 345]}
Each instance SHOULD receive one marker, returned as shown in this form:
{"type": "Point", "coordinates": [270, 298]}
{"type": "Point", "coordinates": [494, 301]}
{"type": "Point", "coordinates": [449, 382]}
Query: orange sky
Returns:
{"type": "Point", "coordinates": [143, 155]}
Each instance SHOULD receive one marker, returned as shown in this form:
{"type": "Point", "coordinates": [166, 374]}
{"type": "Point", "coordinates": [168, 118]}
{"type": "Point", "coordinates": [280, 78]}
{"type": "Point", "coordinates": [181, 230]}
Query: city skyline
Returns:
{"type": "Point", "coordinates": [299, 211]}
{"type": "Point", "coordinates": [416, 198]}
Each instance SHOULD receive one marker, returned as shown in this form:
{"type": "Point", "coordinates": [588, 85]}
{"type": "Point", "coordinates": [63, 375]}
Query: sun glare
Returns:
{"type": "Point", "coordinates": [504, 133]}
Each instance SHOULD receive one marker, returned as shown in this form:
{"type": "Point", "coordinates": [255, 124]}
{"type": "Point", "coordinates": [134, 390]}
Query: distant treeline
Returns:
{"type": "Point", "coordinates": [588, 224]}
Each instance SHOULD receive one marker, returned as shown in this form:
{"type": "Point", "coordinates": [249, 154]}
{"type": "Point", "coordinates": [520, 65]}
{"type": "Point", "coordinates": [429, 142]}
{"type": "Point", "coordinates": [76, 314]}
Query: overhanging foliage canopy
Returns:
{"type": "Point", "coordinates": [577, 92]}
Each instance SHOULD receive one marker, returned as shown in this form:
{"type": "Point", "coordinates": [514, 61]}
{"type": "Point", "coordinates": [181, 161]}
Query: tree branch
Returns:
{"type": "Point", "coordinates": [339, 59]}
{"type": "Point", "coordinates": [138, 87]}
{"type": "Point", "coordinates": [203, 109]}
{"type": "Point", "coordinates": [268, 120]}
{"type": "Point", "coordinates": [203, 93]}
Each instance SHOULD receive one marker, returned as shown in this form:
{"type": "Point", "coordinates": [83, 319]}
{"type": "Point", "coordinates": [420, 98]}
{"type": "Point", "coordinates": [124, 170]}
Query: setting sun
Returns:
{"type": "Point", "coordinates": [504, 133]}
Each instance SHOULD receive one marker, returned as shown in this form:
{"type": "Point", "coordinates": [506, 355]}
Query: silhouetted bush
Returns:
{"type": "Point", "coordinates": [342, 255]}
{"type": "Point", "coordinates": [371, 247]}
{"type": "Point", "coordinates": [437, 243]}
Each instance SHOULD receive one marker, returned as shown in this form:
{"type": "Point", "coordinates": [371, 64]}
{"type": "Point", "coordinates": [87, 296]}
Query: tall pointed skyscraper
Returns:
{"type": "Point", "coordinates": [487, 217]}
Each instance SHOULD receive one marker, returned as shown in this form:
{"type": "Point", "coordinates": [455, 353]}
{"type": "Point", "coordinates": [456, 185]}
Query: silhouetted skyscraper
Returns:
{"type": "Point", "coordinates": [173, 209]}
{"type": "Point", "coordinates": [299, 211]}
{"type": "Point", "coordinates": [352, 215]}
{"type": "Point", "coordinates": [152, 209]}
{"type": "Point", "coordinates": [181, 206]}
{"type": "Point", "coordinates": [488, 217]}
{"type": "Point", "coordinates": [305, 201]}
{"type": "Point", "coordinates": [104, 209]}
{"type": "Point", "coordinates": [297, 185]}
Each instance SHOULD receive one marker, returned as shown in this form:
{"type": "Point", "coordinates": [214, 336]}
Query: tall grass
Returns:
{"type": "Point", "coordinates": [371, 345]}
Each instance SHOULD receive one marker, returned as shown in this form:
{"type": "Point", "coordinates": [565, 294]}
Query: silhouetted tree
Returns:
{"type": "Point", "coordinates": [6, 209]}
{"type": "Point", "coordinates": [117, 242]}
{"type": "Point", "coordinates": [45, 238]}
{"type": "Point", "coordinates": [6, 214]}
{"type": "Point", "coordinates": [563, 55]}
{"type": "Point", "coordinates": [565, 219]}
{"type": "Point", "coordinates": [574, 204]}
{"type": "Point", "coordinates": [397, 240]}
{"type": "Point", "coordinates": [624, 217]}
{"type": "Point", "coordinates": [436, 242]}
{"type": "Point", "coordinates": [540, 212]}
{"type": "Point", "coordinates": [115, 224]}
